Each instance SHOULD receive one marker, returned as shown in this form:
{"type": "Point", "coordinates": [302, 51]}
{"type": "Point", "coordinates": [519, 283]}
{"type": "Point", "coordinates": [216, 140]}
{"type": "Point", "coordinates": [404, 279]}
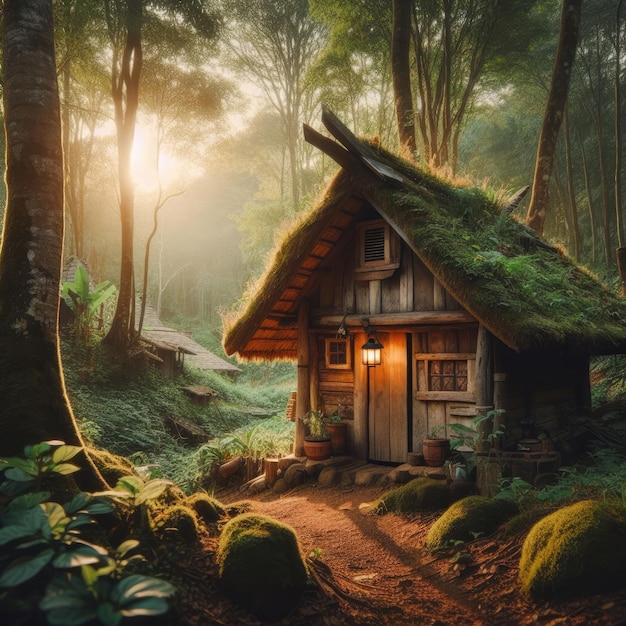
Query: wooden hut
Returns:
{"type": "Point", "coordinates": [171, 349]}
{"type": "Point", "coordinates": [474, 310]}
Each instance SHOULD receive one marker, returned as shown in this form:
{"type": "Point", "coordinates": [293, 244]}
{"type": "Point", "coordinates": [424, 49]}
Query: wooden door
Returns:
{"type": "Point", "coordinates": [388, 402]}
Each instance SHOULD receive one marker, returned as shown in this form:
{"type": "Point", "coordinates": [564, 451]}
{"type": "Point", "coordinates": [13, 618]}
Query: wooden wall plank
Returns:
{"type": "Point", "coordinates": [439, 296]}
{"type": "Point", "coordinates": [423, 282]}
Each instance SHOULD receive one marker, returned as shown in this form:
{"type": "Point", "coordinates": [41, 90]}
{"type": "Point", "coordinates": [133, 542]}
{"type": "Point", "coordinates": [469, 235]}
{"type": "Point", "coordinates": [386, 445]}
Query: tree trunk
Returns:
{"type": "Point", "coordinates": [588, 192]}
{"type": "Point", "coordinates": [621, 253]}
{"type": "Point", "coordinates": [401, 75]}
{"type": "Point", "coordinates": [557, 99]}
{"type": "Point", "coordinates": [571, 193]}
{"type": "Point", "coordinates": [125, 90]}
{"type": "Point", "coordinates": [34, 406]}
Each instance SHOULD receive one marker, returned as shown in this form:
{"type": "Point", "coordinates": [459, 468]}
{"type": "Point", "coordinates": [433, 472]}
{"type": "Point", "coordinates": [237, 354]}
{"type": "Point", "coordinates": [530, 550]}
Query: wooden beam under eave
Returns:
{"type": "Point", "coordinates": [409, 318]}
{"type": "Point", "coordinates": [303, 403]}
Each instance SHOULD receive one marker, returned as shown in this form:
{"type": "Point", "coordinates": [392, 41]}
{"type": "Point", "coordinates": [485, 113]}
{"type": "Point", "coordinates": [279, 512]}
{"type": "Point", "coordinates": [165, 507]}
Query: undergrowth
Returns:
{"type": "Point", "coordinates": [600, 476]}
{"type": "Point", "coordinates": [123, 411]}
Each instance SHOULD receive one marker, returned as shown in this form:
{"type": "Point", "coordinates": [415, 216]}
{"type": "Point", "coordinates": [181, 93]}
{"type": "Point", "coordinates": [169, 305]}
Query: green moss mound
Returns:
{"type": "Point", "coordinates": [471, 515]}
{"type": "Point", "coordinates": [420, 494]}
{"type": "Point", "coordinates": [579, 547]}
{"type": "Point", "coordinates": [179, 521]}
{"type": "Point", "coordinates": [210, 510]}
{"type": "Point", "coordinates": [260, 565]}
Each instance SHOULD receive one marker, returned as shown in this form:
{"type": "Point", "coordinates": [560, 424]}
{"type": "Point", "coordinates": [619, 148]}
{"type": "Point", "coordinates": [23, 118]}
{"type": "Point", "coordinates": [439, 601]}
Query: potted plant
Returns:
{"type": "Point", "coordinates": [473, 440]}
{"type": "Point", "coordinates": [317, 444]}
{"type": "Point", "coordinates": [435, 447]}
{"type": "Point", "coordinates": [337, 431]}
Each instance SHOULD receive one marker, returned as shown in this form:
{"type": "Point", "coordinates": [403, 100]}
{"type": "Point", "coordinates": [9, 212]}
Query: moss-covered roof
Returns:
{"type": "Point", "coordinates": [527, 292]}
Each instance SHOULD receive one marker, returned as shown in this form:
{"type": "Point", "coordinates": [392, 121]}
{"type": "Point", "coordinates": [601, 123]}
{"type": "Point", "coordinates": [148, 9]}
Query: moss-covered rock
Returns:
{"type": "Point", "coordinates": [178, 519]}
{"type": "Point", "coordinates": [261, 566]}
{"type": "Point", "coordinates": [466, 517]}
{"type": "Point", "coordinates": [579, 547]}
{"type": "Point", "coordinates": [419, 494]}
{"type": "Point", "coordinates": [210, 510]}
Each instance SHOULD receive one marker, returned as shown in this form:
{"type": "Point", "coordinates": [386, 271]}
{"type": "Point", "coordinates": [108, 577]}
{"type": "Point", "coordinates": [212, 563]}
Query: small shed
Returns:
{"type": "Point", "coordinates": [173, 348]}
{"type": "Point", "coordinates": [473, 309]}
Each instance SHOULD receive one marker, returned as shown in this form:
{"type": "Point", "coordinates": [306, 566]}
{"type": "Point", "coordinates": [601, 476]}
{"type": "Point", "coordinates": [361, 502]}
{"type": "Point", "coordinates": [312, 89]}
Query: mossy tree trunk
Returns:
{"type": "Point", "coordinates": [555, 107]}
{"type": "Point", "coordinates": [33, 403]}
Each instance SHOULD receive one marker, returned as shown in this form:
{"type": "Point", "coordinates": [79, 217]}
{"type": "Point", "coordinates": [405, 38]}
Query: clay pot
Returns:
{"type": "Point", "coordinates": [317, 449]}
{"type": "Point", "coordinates": [337, 431]}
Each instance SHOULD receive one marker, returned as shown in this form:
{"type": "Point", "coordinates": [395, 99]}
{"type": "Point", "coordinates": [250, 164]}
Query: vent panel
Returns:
{"type": "Point", "coordinates": [374, 245]}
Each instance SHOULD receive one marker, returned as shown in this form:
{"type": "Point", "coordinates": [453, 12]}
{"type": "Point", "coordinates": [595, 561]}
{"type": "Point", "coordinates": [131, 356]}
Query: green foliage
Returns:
{"type": "Point", "coordinates": [123, 412]}
{"type": "Point", "coordinates": [273, 437]}
{"type": "Point", "coordinates": [315, 421]}
{"type": "Point", "coordinates": [419, 494]}
{"type": "Point", "coordinates": [577, 548]}
{"type": "Point", "coordinates": [84, 301]}
{"type": "Point", "coordinates": [470, 436]}
{"type": "Point", "coordinates": [466, 518]}
{"type": "Point", "coordinates": [603, 477]}
{"type": "Point", "coordinates": [261, 565]}
{"type": "Point", "coordinates": [87, 597]}
{"type": "Point", "coordinates": [45, 547]}
{"type": "Point", "coordinates": [40, 463]}
{"type": "Point", "coordinates": [609, 375]}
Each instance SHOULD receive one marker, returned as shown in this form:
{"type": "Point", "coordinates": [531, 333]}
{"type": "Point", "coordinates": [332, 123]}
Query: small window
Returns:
{"type": "Point", "coordinates": [445, 376]}
{"type": "Point", "coordinates": [338, 354]}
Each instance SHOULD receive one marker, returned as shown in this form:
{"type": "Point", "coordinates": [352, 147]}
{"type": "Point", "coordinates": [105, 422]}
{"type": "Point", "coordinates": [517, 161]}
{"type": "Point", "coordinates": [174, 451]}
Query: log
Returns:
{"type": "Point", "coordinates": [230, 467]}
{"type": "Point", "coordinates": [271, 471]}
{"type": "Point", "coordinates": [409, 318]}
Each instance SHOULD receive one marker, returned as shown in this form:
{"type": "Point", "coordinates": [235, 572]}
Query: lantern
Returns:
{"type": "Point", "coordinates": [371, 352]}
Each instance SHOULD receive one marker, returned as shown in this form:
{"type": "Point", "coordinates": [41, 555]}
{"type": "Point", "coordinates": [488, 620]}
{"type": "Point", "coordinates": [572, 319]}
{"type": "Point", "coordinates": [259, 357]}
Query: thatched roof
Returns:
{"type": "Point", "coordinates": [165, 338]}
{"type": "Point", "coordinates": [527, 292]}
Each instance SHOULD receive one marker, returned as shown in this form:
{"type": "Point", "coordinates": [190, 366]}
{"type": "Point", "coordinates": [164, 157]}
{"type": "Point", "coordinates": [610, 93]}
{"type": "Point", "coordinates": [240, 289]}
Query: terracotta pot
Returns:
{"type": "Point", "coordinates": [436, 451]}
{"type": "Point", "coordinates": [317, 449]}
{"type": "Point", "coordinates": [337, 431]}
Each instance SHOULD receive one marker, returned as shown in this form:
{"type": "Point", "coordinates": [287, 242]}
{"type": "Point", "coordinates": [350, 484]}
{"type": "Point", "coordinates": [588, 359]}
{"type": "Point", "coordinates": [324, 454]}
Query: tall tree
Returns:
{"type": "Point", "coordinates": [34, 406]}
{"type": "Point", "coordinates": [125, 20]}
{"type": "Point", "coordinates": [401, 73]}
{"type": "Point", "coordinates": [555, 108]}
{"type": "Point", "coordinates": [125, 74]}
{"type": "Point", "coordinates": [274, 44]}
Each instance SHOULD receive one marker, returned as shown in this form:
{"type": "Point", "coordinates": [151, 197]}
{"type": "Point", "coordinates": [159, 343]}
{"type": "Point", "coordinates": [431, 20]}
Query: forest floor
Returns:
{"type": "Point", "coordinates": [373, 570]}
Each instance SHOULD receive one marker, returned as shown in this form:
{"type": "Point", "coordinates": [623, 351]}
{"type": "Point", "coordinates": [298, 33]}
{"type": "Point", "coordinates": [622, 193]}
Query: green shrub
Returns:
{"type": "Point", "coordinates": [469, 518]}
{"type": "Point", "coordinates": [53, 560]}
{"type": "Point", "coordinates": [580, 547]}
{"type": "Point", "coordinates": [420, 494]}
{"type": "Point", "coordinates": [261, 566]}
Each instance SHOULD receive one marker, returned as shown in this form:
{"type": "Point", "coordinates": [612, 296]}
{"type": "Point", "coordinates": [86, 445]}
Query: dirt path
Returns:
{"type": "Point", "coordinates": [376, 570]}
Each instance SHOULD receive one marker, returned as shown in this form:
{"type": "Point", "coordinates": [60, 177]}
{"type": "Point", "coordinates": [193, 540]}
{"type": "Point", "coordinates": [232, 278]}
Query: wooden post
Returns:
{"type": "Point", "coordinates": [314, 377]}
{"type": "Point", "coordinates": [361, 402]}
{"type": "Point", "coordinates": [484, 383]}
{"type": "Point", "coordinates": [499, 395]}
{"type": "Point", "coordinates": [303, 403]}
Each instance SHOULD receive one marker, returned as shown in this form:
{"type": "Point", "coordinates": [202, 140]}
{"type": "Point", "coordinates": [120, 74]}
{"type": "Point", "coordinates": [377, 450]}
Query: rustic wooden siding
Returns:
{"type": "Point", "coordinates": [440, 408]}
